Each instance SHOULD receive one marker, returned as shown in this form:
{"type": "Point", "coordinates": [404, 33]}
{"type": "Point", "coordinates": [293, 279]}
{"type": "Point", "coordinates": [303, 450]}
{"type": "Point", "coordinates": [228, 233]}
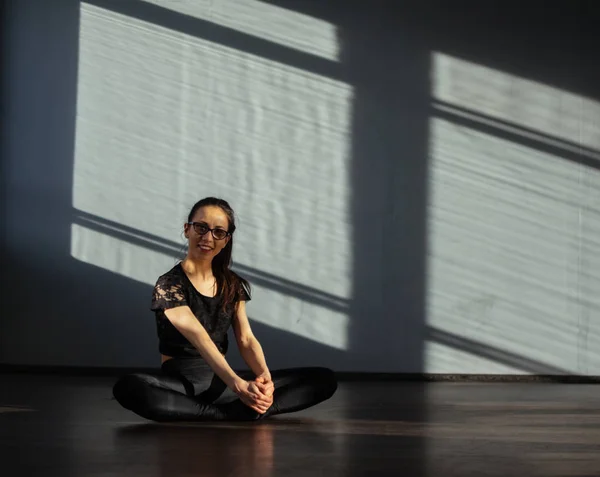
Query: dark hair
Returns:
{"type": "Point", "coordinates": [229, 284]}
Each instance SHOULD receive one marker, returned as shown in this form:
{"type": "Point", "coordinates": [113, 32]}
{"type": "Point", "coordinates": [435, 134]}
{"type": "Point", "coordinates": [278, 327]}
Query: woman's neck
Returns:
{"type": "Point", "coordinates": [201, 269]}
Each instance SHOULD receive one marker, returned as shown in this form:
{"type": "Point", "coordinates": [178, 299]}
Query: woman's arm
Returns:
{"type": "Point", "coordinates": [186, 323]}
{"type": "Point", "coordinates": [250, 349]}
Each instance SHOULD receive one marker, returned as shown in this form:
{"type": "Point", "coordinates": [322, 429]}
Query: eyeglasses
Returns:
{"type": "Point", "coordinates": [202, 229]}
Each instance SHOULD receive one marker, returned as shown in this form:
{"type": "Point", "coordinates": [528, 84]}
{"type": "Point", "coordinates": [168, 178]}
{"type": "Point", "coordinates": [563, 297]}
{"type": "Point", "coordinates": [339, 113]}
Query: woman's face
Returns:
{"type": "Point", "coordinates": [202, 244]}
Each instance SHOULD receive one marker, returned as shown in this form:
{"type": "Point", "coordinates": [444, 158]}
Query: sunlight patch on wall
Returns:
{"type": "Point", "coordinates": [165, 119]}
{"type": "Point", "coordinates": [529, 104]}
{"type": "Point", "coordinates": [269, 22]}
{"type": "Point", "coordinates": [119, 256]}
{"type": "Point", "coordinates": [513, 231]}
{"type": "Point", "coordinates": [451, 360]}
{"type": "Point", "coordinates": [145, 265]}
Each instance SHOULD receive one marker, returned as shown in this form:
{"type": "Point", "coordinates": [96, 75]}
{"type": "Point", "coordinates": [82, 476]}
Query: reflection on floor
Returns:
{"type": "Point", "coordinates": [73, 427]}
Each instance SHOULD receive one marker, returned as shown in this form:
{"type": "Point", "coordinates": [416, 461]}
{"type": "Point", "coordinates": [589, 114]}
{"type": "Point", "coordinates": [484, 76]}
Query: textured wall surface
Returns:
{"type": "Point", "coordinates": [416, 187]}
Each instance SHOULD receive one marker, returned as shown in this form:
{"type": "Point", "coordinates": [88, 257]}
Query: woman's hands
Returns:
{"type": "Point", "coordinates": [255, 395]}
{"type": "Point", "coordinates": [265, 383]}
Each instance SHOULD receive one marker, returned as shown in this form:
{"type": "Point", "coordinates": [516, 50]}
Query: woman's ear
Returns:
{"type": "Point", "coordinates": [186, 230]}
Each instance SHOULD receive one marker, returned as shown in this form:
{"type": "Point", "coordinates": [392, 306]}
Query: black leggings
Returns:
{"type": "Point", "coordinates": [188, 390]}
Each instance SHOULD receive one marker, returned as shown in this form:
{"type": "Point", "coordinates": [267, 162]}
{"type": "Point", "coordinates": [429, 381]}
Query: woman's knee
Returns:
{"type": "Point", "coordinates": [129, 390]}
{"type": "Point", "coordinates": [327, 381]}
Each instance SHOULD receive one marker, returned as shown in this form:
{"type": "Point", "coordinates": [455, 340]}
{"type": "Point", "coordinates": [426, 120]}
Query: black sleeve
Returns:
{"type": "Point", "coordinates": [243, 294]}
{"type": "Point", "coordinates": [168, 293]}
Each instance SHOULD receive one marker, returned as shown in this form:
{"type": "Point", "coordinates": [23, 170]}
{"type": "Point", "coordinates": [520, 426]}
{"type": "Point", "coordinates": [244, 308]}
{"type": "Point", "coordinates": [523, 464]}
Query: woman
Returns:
{"type": "Point", "coordinates": [195, 304]}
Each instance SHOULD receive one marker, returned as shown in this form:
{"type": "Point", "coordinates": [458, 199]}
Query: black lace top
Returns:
{"type": "Point", "coordinates": [175, 289]}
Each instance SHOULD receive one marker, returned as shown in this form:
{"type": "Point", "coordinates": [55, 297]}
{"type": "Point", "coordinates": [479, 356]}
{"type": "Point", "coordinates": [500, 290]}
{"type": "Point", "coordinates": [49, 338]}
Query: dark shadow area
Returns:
{"type": "Point", "coordinates": [38, 110]}
{"type": "Point", "coordinates": [389, 186]}
{"type": "Point", "coordinates": [40, 68]}
{"type": "Point", "coordinates": [4, 37]}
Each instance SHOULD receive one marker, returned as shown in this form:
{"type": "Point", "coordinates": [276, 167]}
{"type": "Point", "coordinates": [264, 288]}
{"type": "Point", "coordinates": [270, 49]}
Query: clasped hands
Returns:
{"type": "Point", "coordinates": [257, 394]}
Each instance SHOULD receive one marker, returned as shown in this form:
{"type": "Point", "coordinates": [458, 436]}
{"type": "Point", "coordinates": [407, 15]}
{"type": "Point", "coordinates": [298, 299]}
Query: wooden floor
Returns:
{"type": "Point", "coordinates": [69, 426]}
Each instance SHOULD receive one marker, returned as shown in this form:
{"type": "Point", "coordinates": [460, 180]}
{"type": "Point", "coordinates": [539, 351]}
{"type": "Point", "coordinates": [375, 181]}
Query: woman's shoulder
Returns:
{"type": "Point", "coordinates": [242, 286]}
{"type": "Point", "coordinates": [174, 276]}
{"type": "Point", "coordinates": [169, 291]}
{"type": "Point", "coordinates": [238, 278]}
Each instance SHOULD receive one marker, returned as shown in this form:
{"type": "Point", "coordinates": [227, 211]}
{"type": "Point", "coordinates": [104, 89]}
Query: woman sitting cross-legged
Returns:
{"type": "Point", "coordinates": [195, 304]}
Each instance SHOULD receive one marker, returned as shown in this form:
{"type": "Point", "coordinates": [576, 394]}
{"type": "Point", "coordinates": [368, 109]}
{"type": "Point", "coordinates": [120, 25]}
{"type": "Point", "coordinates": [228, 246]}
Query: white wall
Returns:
{"type": "Point", "coordinates": [406, 202]}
